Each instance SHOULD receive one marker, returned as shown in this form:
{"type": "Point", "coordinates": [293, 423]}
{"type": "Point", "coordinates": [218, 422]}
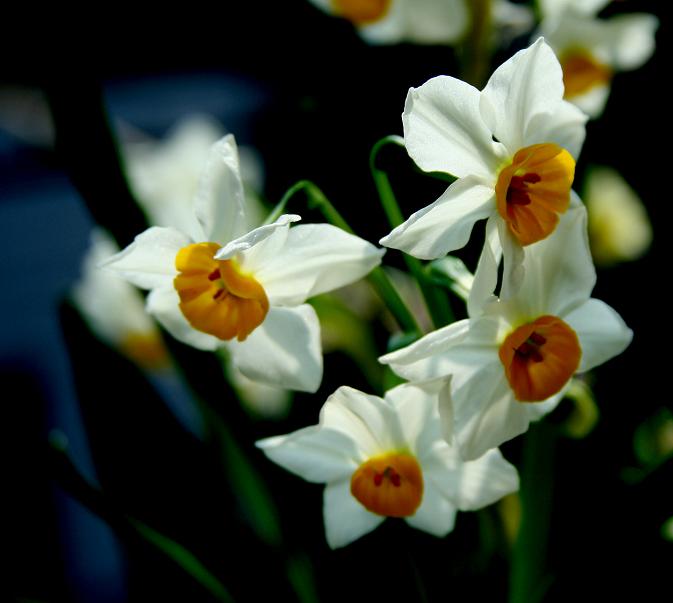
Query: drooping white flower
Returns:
{"type": "Point", "coordinates": [214, 284]}
{"type": "Point", "coordinates": [394, 21]}
{"type": "Point", "coordinates": [591, 50]}
{"type": "Point", "coordinates": [386, 458]}
{"type": "Point", "coordinates": [512, 146]}
{"type": "Point", "coordinates": [512, 359]}
{"type": "Point", "coordinates": [115, 310]}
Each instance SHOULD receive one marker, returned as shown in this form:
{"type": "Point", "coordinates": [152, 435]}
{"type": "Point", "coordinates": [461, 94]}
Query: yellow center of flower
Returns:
{"type": "Point", "coordinates": [146, 349]}
{"type": "Point", "coordinates": [534, 189]}
{"type": "Point", "coordinates": [361, 12]}
{"type": "Point", "coordinates": [582, 72]}
{"type": "Point", "coordinates": [390, 485]}
{"type": "Point", "coordinates": [215, 296]}
{"type": "Point", "coordinates": [539, 358]}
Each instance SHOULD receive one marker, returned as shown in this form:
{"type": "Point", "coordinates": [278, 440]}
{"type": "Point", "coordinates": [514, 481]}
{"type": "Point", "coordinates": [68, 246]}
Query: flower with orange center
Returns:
{"type": "Point", "coordinates": [512, 147]}
{"type": "Point", "coordinates": [215, 284]}
{"type": "Point", "coordinates": [386, 457]}
{"type": "Point", "coordinates": [592, 50]}
{"type": "Point", "coordinates": [394, 21]}
{"type": "Point", "coordinates": [511, 361]}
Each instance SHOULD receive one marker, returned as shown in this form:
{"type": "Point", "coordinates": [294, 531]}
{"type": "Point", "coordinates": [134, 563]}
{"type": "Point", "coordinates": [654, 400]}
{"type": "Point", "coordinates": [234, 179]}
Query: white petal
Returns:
{"type": "Point", "coordinates": [486, 413]}
{"type": "Point", "coordinates": [163, 304]}
{"type": "Point", "coordinates": [601, 331]}
{"type": "Point", "coordinates": [592, 102]}
{"type": "Point", "coordinates": [486, 275]}
{"type": "Point", "coordinates": [633, 36]}
{"type": "Point", "coordinates": [538, 410]}
{"type": "Point", "coordinates": [255, 237]}
{"type": "Point", "coordinates": [314, 453]}
{"type": "Point", "coordinates": [558, 271]}
{"type": "Point", "coordinates": [314, 259]}
{"type": "Point", "coordinates": [345, 518]}
{"type": "Point", "coordinates": [446, 224]}
{"type": "Point", "coordinates": [436, 515]}
{"type": "Point", "coordinates": [149, 261]}
{"type": "Point", "coordinates": [220, 201]}
{"type": "Point", "coordinates": [283, 351]}
{"type": "Point", "coordinates": [444, 130]}
{"type": "Point", "coordinates": [566, 128]}
{"type": "Point", "coordinates": [416, 409]}
{"type": "Point", "coordinates": [425, 359]}
{"type": "Point", "coordinates": [555, 8]}
{"type": "Point", "coordinates": [527, 85]}
{"type": "Point", "coordinates": [473, 484]}
{"type": "Point", "coordinates": [420, 22]}
{"type": "Point", "coordinates": [369, 420]}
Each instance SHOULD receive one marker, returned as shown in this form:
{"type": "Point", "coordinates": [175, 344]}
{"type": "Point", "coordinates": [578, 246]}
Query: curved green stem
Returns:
{"type": "Point", "coordinates": [437, 302]}
{"type": "Point", "coordinates": [477, 47]}
{"type": "Point", "coordinates": [316, 199]}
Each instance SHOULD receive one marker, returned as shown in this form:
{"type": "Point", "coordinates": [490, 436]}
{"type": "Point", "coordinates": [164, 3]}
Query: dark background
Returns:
{"type": "Point", "coordinates": [312, 98]}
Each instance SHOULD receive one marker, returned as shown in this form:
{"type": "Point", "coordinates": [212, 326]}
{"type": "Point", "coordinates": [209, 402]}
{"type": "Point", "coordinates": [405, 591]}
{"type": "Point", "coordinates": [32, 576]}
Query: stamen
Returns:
{"type": "Point", "coordinates": [539, 358]}
{"type": "Point", "coordinates": [214, 275]}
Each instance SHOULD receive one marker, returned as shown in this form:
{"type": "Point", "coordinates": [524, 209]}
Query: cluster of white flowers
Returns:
{"type": "Point", "coordinates": [480, 381]}
{"type": "Point", "coordinates": [429, 447]}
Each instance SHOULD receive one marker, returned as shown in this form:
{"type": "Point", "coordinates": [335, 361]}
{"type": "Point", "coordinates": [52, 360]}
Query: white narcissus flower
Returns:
{"type": "Point", "coordinates": [511, 362]}
{"type": "Point", "coordinates": [512, 146]}
{"type": "Point", "coordinates": [115, 310]}
{"type": "Point", "coordinates": [591, 50]}
{"type": "Point", "coordinates": [395, 21]}
{"type": "Point", "coordinates": [386, 458]}
{"type": "Point", "coordinates": [619, 229]}
{"type": "Point", "coordinates": [214, 285]}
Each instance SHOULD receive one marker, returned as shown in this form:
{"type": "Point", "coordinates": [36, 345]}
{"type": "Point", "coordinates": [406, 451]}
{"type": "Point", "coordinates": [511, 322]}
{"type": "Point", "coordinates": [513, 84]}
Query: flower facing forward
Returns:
{"type": "Point", "coordinates": [114, 310]}
{"type": "Point", "coordinates": [511, 363]}
{"type": "Point", "coordinates": [215, 285]}
{"type": "Point", "coordinates": [386, 458]}
{"type": "Point", "coordinates": [591, 50]}
{"type": "Point", "coordinates": [512, 147]}
{"type": "Point", "coordinates": [394, 21]}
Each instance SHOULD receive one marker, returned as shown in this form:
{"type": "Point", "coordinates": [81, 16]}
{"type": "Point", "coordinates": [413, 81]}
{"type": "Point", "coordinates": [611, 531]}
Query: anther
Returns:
{"type": "Point", "coordinates": [214, 275]}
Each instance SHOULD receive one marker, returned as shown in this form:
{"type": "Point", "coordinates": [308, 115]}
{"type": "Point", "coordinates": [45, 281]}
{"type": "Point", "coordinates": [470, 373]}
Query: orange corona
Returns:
{"type": "Point", "coordinates": [215, 296]}
{"type": "Point", "coordinates": [534, 189]}
{"type": "Point", "coordinates": [390, 485]}
{"type": "Point", "coordinates": [539, 358]}
{"type": "Point", "coordinates": [582, 73]}
{"type": "Point", "coordinates": [362, 12]}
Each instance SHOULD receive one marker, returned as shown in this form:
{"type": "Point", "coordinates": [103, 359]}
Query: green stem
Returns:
{"type": "Point", "coordinates": [477, 48]}
{"type": "Point", "coordinates": [436, 301]}
{"type": "Point", "coordinates": [316, 199]}
{"type": "Point", "coordinates": [94, 500]}
{"type": "Point", "coordinates": [529, 579]}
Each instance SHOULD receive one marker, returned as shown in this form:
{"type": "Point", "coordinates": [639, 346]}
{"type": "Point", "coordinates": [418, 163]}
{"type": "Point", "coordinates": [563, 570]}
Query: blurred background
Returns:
{"type": "Point", "coordinates": [308, 98]}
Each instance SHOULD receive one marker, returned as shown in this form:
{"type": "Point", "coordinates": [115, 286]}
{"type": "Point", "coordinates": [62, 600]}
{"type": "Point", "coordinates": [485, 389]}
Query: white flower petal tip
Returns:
{"type": "Point", "coordinates": [364, 446]}
{"type": "Point", "coordinates": [249, 240]}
